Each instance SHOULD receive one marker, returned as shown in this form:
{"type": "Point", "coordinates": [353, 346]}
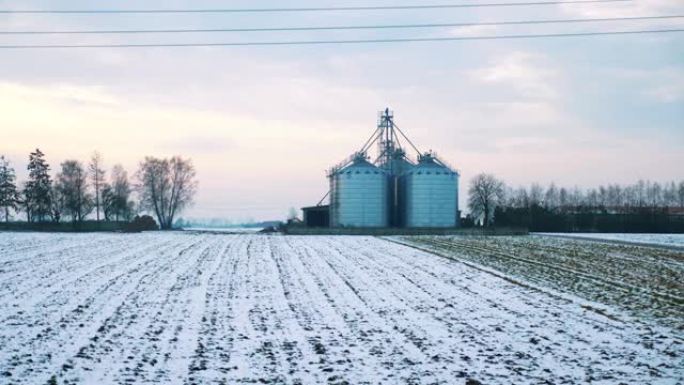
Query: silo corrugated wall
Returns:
{"type": "Point", "coordinates": [396, 199]}
{"type": "Point", "coordinates": [431, 195]}
{"type": "Point", "coordinates": [358, 196]}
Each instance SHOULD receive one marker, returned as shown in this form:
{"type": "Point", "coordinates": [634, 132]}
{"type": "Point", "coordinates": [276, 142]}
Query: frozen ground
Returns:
{"type": "Point", "coordinates": [676, 240]}
{"type": "Point", "coordinates": [230, 230]}
{"type": "Point", "coordinates": [644, 282]}
{"type": "Point", "coordinates": [178, 308]}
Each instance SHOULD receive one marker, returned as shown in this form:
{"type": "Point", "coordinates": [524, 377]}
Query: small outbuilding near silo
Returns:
{"type": "Point", "coordinates": [316, 216]}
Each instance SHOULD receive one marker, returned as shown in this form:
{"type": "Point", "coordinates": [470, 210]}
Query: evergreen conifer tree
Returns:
{"type": "Point", "coordinates": [37, 190]}
{"type": "Point", "coordinates": [8, 189]}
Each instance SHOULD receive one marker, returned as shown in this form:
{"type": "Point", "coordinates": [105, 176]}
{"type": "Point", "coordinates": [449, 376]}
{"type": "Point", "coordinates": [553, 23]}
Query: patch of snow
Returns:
{"type": "Point", "coordinates": [177, 308]}
{"type": "Point", "coordinates": [676, 240]}
{"type": "Point", "coordinates": [229, 230]}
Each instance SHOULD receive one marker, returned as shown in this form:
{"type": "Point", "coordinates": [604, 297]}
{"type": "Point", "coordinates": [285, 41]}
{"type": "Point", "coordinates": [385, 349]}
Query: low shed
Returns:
{"type": "Point", "coordinates": [316, 216]}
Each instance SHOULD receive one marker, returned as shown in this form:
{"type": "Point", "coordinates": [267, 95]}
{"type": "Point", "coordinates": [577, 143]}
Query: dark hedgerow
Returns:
{"type": "Point", "coordinates": [141, 223]}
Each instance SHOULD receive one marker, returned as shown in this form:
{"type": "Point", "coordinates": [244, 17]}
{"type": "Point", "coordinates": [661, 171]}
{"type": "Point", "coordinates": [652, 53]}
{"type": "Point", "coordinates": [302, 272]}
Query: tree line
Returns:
{"type": "Point", "coordinates": [164, 187]}
{"type": "Point", "coordinates": [488, 194]}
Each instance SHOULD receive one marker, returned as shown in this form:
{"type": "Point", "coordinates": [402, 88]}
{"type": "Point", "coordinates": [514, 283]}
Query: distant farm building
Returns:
{"type": "Point", "coordinates": [389, 190]}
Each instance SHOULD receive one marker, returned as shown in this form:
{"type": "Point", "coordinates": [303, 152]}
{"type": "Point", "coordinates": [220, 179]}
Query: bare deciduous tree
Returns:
{"type": "Point", "coordinates": [485, 193]}
{"type": "Point", "coordinates": [72, 187]}
{"type": "Point", "coordinates": [57, 202]}
{"type": "Point", "coordinates": [670, 194]}
{"type": "Point", "coordinates": [536, 195]}
{"type": "Point", "coordinates": [292, 214]}
{"type": "Point", "coordinates": [97, 175]}
{"type": "Point", "coordinates": [563, 198]}
{"type": "Point", "coordinates": [166, 187]}
{"type": "Point", "coordinates": [115, 196]}
{"type": "Point", "coordinates": [613, 198]}
{"type": "Point", "coordinates": [653, 194]}
{"type": "Point", "coordinates": [108, 202]}
{"type": "Point", "coordinates": [551, 197]}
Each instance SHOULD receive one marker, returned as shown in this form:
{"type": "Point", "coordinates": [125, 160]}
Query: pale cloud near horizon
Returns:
{"type": "Point", "coordinates": [668, 85]}
{"type": "Point", "coordinates": [530, 74]}
{"type": "Point", "coordinates": [623, 9]}
{"type": "Point", "coordinates": [473, 30]}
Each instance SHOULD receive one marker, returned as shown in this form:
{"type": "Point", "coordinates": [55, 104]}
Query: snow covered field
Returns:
{"type": "Point", "coordinates": [175, 308]}
{"type": "Point", "coordinates": [230, 230]}
{"type": "Point", "coordinates": [644, 282]}
{"type": "Point", "coordinates": [676, 240]}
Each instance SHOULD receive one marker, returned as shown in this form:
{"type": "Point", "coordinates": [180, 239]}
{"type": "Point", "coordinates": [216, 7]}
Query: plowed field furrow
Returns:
{"type": "Point", "coordinates": [329, 332]}
{"type": "Point", "coordinates": [60, 309]}
{"type": "Point", "coordinates": [611, 275]}
{"type": "Point", "coordinates": [76, 277]}
{"type": "Point", "coordinates": [143, 323]}
{"type": "Point", "coordinates": [211, 359]}
{"type": "Point", "coordinates": [51, 261]}
{"type": "Point", "coordinates": [75, 326]}
{"type": "Point", "coordinates": [187, 308]}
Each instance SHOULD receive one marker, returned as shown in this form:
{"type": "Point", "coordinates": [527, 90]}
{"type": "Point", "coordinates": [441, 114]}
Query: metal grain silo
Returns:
{"type": "Point", "coordinates": [396, 187]}
{"type": "Point", "coordinates": [431, 194]}
{"type": "Point", "coordinates": [358, 195]}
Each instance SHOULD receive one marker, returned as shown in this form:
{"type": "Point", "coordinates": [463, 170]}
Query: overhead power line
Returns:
{"type": "Point", "coordinates": [336, 28]}
{"type": "Point", "coordinates": [309, 9]}
{"type": "Point", "coordinates": [330, 42]}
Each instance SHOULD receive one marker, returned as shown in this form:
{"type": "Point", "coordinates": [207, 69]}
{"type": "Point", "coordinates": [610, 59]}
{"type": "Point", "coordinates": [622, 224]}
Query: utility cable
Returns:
{"type": "Point", "coordinates": [305, 9]}
{"type": "Point", "coordinates": [331, 42]}
{"type": "Point", "coordinates": [336, 28]}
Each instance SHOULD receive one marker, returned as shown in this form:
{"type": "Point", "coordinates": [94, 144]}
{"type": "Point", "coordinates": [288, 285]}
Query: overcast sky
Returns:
{"type": "Point", "coordinates": [262, 124]}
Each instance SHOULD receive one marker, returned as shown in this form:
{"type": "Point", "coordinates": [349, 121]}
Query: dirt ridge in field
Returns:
{"type": "Point", "coordinates": [160, 308]}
